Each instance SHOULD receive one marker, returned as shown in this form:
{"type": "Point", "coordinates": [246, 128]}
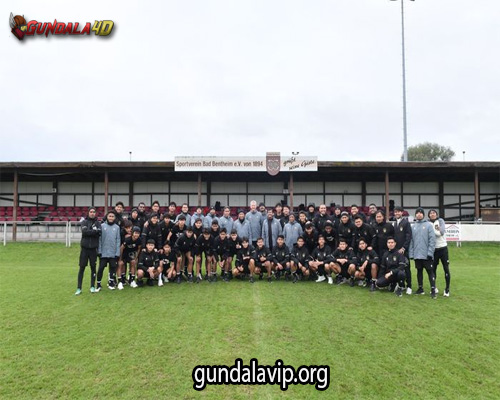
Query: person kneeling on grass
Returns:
{"type": "Point", "coordinates": [168, 263]}
{"type": "Point", "coordinates": [299, 260]}
{"type": "Point", "coordinates": [392, 268]}
{"type": "Point", "coordinates": [343, 261]}
{"type": "Point", "coordinates": [262, 257]}
{"type": "Point", "coordinates": [321, 258]}
{"type": "Point", "coordinates": [281, 258]}
{"type": "Point", "coordinates": [245, 264]}
{"type": "Point", "coordinates": [367, 265]}
{"type": "Point", "coordinates": [149, 265]}
{"type": "Point", "coordinates": [129, 253]}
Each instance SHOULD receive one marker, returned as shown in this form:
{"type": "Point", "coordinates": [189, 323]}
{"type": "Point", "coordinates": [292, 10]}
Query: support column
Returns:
{"type": "Point", "coordinates": [55, 190]}
{"type": "Point", "coordinates": [199, 189]}
{"type": "Point", "coordinates": [477, 213]}
{"type": "Point", "coordinates": [106, 191]}
{"type": "Point", "coordinates": [363, 193]}
{"type": "Point", "coordinates": [441, 199]}
{"type": "Point", "coordinates": [209, 189]}
{"type": "Point", "coordinates": [387, 195]}
{"type": "Point", "coordinates": [290, 191]}
{"type": "Point", "coordinates": [15, 203]}
{"type": "Point", "coordinates": [131, 194]}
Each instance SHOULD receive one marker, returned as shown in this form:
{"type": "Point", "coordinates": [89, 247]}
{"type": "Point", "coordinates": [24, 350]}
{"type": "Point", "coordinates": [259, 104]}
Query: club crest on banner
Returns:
{"type": "Point", "coordinates": [273, 163]}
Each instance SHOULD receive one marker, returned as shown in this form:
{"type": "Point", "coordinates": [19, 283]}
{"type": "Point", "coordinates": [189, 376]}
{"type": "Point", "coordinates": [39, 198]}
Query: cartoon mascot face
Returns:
{"type": "Point", "coordinates": [18, 25]}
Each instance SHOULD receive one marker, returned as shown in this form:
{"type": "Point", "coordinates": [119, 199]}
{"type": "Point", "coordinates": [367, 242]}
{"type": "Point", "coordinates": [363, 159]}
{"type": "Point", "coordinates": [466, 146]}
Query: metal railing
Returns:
{"type": "Point", "coordinates": [43, 231]}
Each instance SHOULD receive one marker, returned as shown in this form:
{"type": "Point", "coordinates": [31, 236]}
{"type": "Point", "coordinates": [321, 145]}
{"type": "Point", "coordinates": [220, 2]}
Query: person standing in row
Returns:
{"type": "Point", "coordinates": [91, 232]}
{"type": "Point", "coordinates": [441, 251]}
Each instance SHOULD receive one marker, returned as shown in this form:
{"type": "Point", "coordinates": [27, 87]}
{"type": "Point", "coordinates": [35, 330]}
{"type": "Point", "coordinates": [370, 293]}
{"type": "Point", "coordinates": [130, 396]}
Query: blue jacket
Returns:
{"type": "Point", "coordinates": [226, 223]}
{"type": "Point", "coordinates": [275, 230]}
{"type": "Point", "coordinates": [110, 240]}
{"type": "Point", "coordinates": [423, 241]}
{"type": "Point", "coordinates": [292, 232]}
{"type": "Point", "coordinates": [195, 216]}
{"type": "Point", "coordinates": [255, 220]}
{"type": "Point", "coordinates": [243, 229]}
{"type": "Point", "coordinates": [207, 221]}
{"type": "Point", "coordinates": [188, 218]}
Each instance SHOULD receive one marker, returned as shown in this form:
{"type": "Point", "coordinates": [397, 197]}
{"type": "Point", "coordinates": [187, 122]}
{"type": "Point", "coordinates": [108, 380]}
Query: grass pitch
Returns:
{"type": "Point", "coordinates": [145, 342]}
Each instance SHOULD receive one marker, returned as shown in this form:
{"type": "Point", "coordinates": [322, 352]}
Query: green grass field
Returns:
{"type": "Point", "coordinates": [145, 342]}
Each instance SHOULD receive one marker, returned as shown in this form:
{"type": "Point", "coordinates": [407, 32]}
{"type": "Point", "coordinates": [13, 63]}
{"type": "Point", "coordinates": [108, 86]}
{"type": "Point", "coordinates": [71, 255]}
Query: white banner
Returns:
{"type": "Point", "coordinates": [244, 164]}
{"type": "Point", "coordinates": [452, 232]}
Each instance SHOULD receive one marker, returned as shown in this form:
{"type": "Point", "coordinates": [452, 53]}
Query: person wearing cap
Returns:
{"type": "Point", "coordinates": [311, 211]}
{"type": "Point", "coordinates": [254, 218]}
{"type": "Point", "coordinates": [402, 235]}
{"type": "Point", "coordinates": [210, 217]}
{"type": "Point", "coordinates": [310, 236]}
{"type": "Point", "coordinates": [226, 221]}
{"type": "Point", "coordinates": [422, 246]}
{"type": "Point", "coordinates": [383, 230]}
{"type": "Point", "coordinates": [292, 231]}
{"type": "Point", "coordinates": [91, 231]}
{"type": "Point", "coordinates": [109, 250]}
{"type": "Point", "coordinates": [321, 218]}
{"type": "Point", "coordinates": [363, 230]}
{"type": "Point", "coordinates": [242, 226]}
{"type": "Point", "coordinates": [204, 246]}
{"type": "Point", "coordinates": [177, 230]}
{"type": "Point", "coordinates": [185, 212]}
{"type": "Point", "coordinates": [184, 248]}
{"type": "Point", "coordinates": [346, 229]}
{"type": "Point", "coordinates": [129, 253]}
{"type": "Point", "coordinates": [271, 229]}
{"type": "Point", "coordinates": [441, 250]}
{"type": "Point", "coordinates": [148, 265]}
{"type": "Point", "coordinates": [152, 231]}
{"type": "Point", "coordinates": [135, 219]}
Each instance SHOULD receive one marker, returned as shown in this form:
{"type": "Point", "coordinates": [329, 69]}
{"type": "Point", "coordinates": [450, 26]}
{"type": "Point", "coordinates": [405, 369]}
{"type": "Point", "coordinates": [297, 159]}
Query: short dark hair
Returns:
{"type": "Point", "coordinates": [119, 203]}
{"type": "Point", "coordinates": [181, 218]}
{"type": "Point", "coordinates": [223, 230]}
{"type": "Point", "coordinates": [357, 216]}
{"type": "Point", "coordinates": [390, 238]}
{"type": "Point", "coordinates": [172, 203]}
{"type": "Point", "coordinates": [342, 240]}
{"type": "Point", "coordinates": [155, 202]}
{"type": "Point", "coordinates": [281, 237]}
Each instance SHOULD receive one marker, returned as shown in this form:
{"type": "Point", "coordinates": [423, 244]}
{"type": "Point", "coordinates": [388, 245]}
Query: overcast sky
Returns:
{"type": "Point", "coordinates": [210, 77]}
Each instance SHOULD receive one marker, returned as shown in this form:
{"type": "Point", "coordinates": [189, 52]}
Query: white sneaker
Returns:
{"type": "Point", "coordinates": [436, 291]}
{"type": "Point", "coordinates": [321, 278]}
{"type": "Point", "coordinates": [446, 293]}
{"type": "Point", "coordinates": [409, 291]}
{"type": "Point", "coordinates": [133, 284]}
{"type": "Point", "coordinates": [330, 280]}
{"type": "Point", "coordinates": [111, 287]}
{"type": "Point", "coordinates": [160, 282]}
{"type": "Point", "coordinates": [120, 286]}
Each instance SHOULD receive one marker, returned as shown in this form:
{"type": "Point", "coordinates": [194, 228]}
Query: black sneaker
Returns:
{"type": "Point", "coordinates": [338, 279]}
{"type": "Point", "coordinates": [372, 286]}
{"type": "Point", "coordinates": [178, 280]}
{"type": "Point", "coordinates": [351, 282]}
{"type": "Point", "coordinates": [198, 279]}
{"type": "Point", "coordinates": [226, 278]}
{"type": "Point", "coordinates": [261, 276]}
{"type": "Point", "coordinates": [295, 278]}
{"type": "Point", "coordinates": [214, 278]}
{"type": "Point", "coordinates": [140, 283]}
{"type": "Point", "coordinates": [150, 282]}
{"type": "Point", "coordinates": [420, 291]}
{"type": "Point", "coordinates": [399, 291]}
{"type": "Point", "coordinates": [251, 280]}
{"type": "Point", "coordinates": [269, 279]}
{"type": "Point", "coordinates": [190, 278]}
{"type": "Point", "coordinates": [433, 295]}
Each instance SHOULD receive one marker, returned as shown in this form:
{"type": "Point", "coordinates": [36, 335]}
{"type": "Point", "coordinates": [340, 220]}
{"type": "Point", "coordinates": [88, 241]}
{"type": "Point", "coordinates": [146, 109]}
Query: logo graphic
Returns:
{"type": "Point", "coordinates": [21, 28]}
{"type": "Point", "coordinates": [18, 26]}
{"type": "Point", "coordinates": [273, 163]}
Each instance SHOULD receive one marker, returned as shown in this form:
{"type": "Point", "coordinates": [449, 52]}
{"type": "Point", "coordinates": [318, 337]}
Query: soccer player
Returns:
{"type": "Point", "coordinates": [215, 230]}
{"type": "Point", "coordinates": [271, 228]}
{"type": "Point", "coordinates": [91, 231]}
{"type": "Point", "coordinates": [168, 262]}
{"type": "Point", "coordinates": [129, 253]}
{"type": "Point", "coordinates": [172, 209]}
{"type": "Point", "coordinates": [242, 226]}
{"type": "Point", "coordinates": [221, 253]}
{"type": "Point", "coordinates": [184, 247]}
{"type": "Point", "coordinates": [372, 208]}
{"type": "Point", "coordinates": [299, 260]}
{"type": "Point", "coordinates": [226, 221]}
{"type": "Point", "coordinates": [152, 231]}
{"type": "Point", "coordinates": [311, 212]}
{"type": "Point", "coordinates": [285, 217]}
{"type": "Point", "coordinates": [178, 229]}
{"type": "Point", "coordinates": [383, 230]}
{"type": "Point", "coordinates": [141, 214]}
{"type": "Point", "coordinates": [245, 264]}
{"type": "Point", "coordinates": [278, 213]}
{"type": "Point", "coordinates": [320, 261]}
{"type": "Point", "coordinates": [392, 268]}
{"type": "Point", "coordinates": [292, 231]}
{"type": "Point", "coordinates": [254, 218]}
{"type": "Point", "coordinates": [422, 246]}
{"type": "Point", "coordinates": [367, 264]}
{"type": "Point", "coordinates": [155, 209]}
{"type": "Point", "coordinates": [262, 259]}
{"type": "Point", "coordinates": [197, 227]}
{"type": "Point", "coordinates": [402, 235]}
{"type": "Point", "coordinates": [166, 227]}
{"type": "Point", "coordinates": [346, 229]}
{"type": "Point", "coordinates": [355, 211]}
{"type": "Point", "coordinates": [109, 250]}
{"type": "Point", "coordinates": [363, 230]}
{"type": "Point", "coordinates": [302, 219]}
{"type": "Point", "coordinates": [149, 265]}
{"type": "Point", "coordinates": [118, 210]}
{"type": "Point", "coordinates": [310, 237]}
{"type": "Point", "coordinates": [337, 211]}
{"type": "Point", "coordinates": [135, 219]}
{"type": "Point", "coordinates": [441, 250]}
{"type": "Point", "coordinates": [342, 259]}
{"type": "Point", "coordinates": [205, 245]}
{"type": "Point", "coordinates": [321, 218]}
{"type": "Point", "coordinates": [234, 247]}
{"type": "Point", "coordinates": [280, 257]}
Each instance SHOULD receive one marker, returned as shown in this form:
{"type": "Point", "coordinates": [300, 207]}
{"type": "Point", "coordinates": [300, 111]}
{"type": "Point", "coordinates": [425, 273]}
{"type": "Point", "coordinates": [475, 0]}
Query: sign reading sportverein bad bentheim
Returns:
{"type": "Point", "coordinates": [247, 164]}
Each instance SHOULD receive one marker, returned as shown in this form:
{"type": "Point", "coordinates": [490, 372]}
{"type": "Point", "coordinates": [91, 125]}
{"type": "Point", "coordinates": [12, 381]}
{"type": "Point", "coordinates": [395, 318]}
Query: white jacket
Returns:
{"type": "Point", "coordinates": [440, 231]}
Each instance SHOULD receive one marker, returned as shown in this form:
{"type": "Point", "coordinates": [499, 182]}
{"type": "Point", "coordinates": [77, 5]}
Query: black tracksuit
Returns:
{"type": "Point", "coordinates": [262, 252]}
{"type": "Point", "coordinates": [383, 231]}
{"type": "Point", "coordinates": [91, 230]}
{"type": "Point", "coordinates": [346, 231]}
{"type": "Point", "coordinates": [310, 241]}
{"type": "Point", "coordinates": [300, 255]}
{"type": "Point", "coordinates": [184, 244]}
{"type": "Point", "coordinates": [221, 248]}
{"type": "Point", "coordinates": [319, 221]}
{"type": "Point", "coordinates": [347, 254]}
{"type": "Point", "coordinates": [323, 255]}
{"type": "Point", "coordinates": [152, 232]}
{"type": "Point", "coordinates": [402, 235]}
{"type": "Point", "coordinates": [243, 257]}
{"type": "Point", "coordinates": [147, 260]}
{"type": "Point", "coordinates": [165, 229]}
{"type": "Point", "coordinates": [130, 249]}
{"type": "Point", "coordinates": [368, 233]}
{"type": "Point", "coordinates": [395, 262]}
{"type": "Point", "coordinates": [280, 255]}
{"type": "Point", "coordinates": [367, 255]}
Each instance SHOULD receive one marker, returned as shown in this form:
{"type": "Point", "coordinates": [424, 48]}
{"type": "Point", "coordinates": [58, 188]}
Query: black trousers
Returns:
{"type": "Point", "coordinates": [87, 256]}
{"type": "Point", "coordinates": [397, 276]}
{"type": "Point", "coordinates": [103, 263]}
{"type": "Point", "coordinates": [427, 265]}
{"type": "Point", "coordinates": [442, 255]}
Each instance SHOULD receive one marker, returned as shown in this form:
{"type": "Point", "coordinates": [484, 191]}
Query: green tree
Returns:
{"type": "Point", "coordinates": [429, 152]}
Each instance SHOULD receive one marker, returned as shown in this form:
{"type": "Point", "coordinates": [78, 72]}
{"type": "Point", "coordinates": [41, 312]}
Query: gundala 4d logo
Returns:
{"type": "Point", "coordinates": [20, 28]}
